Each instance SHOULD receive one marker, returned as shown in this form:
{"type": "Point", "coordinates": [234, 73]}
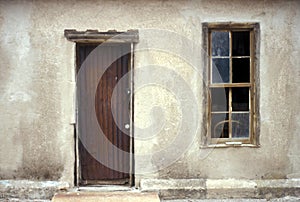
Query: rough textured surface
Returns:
{"type": "Point", "coordinates": [285, 199]}
{"type": "Point", "coordinates": [30, 190]}
{"type": "Point", "coordinates": [222, 189]}
{"type": "Point", "coordinates": [23, 200]}
{"type": "Point", "coordinates": [176, 188]}
{"type": "Point", "coordinates": [37, 85]}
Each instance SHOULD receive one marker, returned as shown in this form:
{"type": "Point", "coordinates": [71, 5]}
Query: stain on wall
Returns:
{"type": "Point", "coordinates": [37, 85]}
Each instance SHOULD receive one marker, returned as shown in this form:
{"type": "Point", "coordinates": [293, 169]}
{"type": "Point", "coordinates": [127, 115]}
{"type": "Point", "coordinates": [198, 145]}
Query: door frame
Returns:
{"type": "Point", "coordinates": [93, 36]}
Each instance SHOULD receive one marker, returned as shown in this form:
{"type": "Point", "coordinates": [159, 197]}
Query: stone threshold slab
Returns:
{"type": "Point", "coordinates": [106, 197]}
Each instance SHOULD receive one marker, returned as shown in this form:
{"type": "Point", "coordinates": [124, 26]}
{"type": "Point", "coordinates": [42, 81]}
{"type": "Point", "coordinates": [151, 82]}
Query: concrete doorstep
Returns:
{"type": "Point", "coordinates": [106, 197]}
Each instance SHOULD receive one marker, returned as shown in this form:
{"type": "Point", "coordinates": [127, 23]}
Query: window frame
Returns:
{"type": "Point", "coordinates": [253, 28]}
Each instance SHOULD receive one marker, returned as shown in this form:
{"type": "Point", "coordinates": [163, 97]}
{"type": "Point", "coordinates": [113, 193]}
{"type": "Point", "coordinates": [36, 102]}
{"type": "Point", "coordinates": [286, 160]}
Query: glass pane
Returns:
{"type": "Point", "coordinates": [220, 126]}
{"type": "Point", "coordinates": [220, 43]}
{"type": "Point", "coordinates": [240, 125]}
{"type": "Point", "coordinates": [219, 99]}
{"type": "Point", "coordinates": [240, 43]}
{"type": "Point", "coordinates": [240, 99]}
{"type": "Point", "coordinates": [240, 70]}
{"type": "Point", "coordinates": [220, 70]}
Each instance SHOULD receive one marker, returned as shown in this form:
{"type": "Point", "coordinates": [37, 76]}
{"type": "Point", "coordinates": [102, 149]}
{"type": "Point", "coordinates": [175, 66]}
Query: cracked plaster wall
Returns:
{"type": "Point", "coordinates": [37, 85]}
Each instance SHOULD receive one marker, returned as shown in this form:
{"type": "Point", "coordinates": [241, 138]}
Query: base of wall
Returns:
{"type": "Point", "coordinates": [26, 189]}
{"type": "Point", "coordinates": [167, 188]}
{"type": "Point", "coordinates": [221, 189]}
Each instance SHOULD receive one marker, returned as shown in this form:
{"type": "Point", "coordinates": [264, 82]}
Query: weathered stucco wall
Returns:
{"type": "Point", "coordinates": [37, 85]}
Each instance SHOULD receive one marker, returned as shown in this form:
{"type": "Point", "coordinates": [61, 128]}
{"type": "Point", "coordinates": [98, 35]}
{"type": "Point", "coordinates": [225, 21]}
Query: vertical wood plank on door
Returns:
{"type": "Point", "coordinates": [90, 168]}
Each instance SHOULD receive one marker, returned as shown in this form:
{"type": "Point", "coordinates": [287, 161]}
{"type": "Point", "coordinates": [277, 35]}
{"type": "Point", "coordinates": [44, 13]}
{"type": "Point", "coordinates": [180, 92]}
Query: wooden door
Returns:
{"type": "Point", "coordinates": [91, 170]}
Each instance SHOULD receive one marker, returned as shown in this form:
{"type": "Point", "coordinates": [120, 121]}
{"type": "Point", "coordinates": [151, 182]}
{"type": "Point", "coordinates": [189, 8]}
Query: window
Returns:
{"type": "Point", "coordinates": [232, 54]}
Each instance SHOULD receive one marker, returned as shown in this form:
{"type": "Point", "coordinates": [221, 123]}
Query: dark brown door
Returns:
{"type": "Point", "coordinates": [106, 65]}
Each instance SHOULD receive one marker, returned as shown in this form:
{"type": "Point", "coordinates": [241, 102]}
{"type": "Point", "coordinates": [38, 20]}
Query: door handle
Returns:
{"type": "Point", "coordinates": [127, 126]}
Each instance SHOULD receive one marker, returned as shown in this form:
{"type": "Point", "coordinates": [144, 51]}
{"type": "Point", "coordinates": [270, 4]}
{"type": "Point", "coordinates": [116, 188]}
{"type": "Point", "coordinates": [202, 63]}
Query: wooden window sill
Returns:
{"type": "Point", "coordinates": [223, 145]}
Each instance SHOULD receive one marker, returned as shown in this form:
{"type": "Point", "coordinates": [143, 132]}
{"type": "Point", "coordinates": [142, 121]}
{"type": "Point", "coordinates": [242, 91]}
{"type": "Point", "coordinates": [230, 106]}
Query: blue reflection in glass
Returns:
{"type": "Point", "coordinates": [240, 125]}
{"type": "Point", "coordinates": [220, 70]}
{"type": "Point", "coordinates": [220, 43]}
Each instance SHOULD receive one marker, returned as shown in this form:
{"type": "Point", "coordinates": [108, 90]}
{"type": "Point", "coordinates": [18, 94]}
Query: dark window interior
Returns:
{"type": "Point", "coordinates": [240, 70]}
{"type": "Point", "coordinates": [240, 99]}
{"type": "Point", "coordinates": [241, 43]}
